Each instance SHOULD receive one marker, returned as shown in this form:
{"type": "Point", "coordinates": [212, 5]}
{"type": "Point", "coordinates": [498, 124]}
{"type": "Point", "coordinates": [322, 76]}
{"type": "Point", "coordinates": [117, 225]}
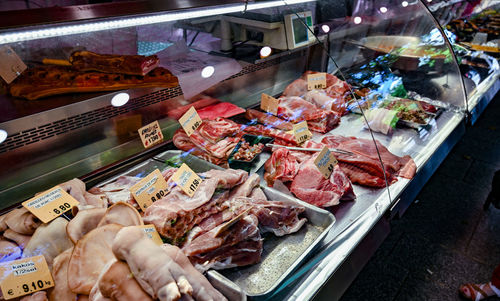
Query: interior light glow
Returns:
{"type": "Point", "coordinates": [357, 20]}
{"type": "Point", "coordinates": [325, 28]}
{"type": "Point", "coordinates": [3, 135]}
{"type": "Point", "coordinates": [429, 1]}
{"type": "Point", "coordinates": [383, 9]}
{"type": "Point", "coordinates": [404, 3]}
{"type": "Point", "coordinates": [265, 51]}
{"type": "Point", "coordinates": [120, 99]}
{"type": "Point", "coordinates": [207, 71]}
{"type": "Point", "coordinates": [25, 35]}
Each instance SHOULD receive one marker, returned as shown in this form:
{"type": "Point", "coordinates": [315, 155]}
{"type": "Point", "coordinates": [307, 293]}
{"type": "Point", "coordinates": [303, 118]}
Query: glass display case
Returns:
{"type": "Point", "coordinates": [472, 28]}
{"type": "Point", "coordinates": [311, 123]}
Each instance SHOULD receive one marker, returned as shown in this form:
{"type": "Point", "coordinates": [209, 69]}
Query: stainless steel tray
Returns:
{"type": "Point", "coordinates": [281, 255]}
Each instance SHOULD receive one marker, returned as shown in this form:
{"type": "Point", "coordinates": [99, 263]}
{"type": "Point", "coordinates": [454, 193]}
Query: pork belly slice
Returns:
{"type": "Point", "coordinates": [218, 129]}
{"type": "Point", "coordinates": [177, 213]}
{"type": "Point", "coordinates": [274, 216]}
{"type": "Point", "coordinates": [228, 249]}
{"type": "Point", "coordinates": [310, 186]}
{"type": "Point", "coordinates": [244, 253]}
{"type": "Point", "coordinates": [280, 137]}
{"type": "Point", "coordinates": [182, 142]}
{"type": "Point", "coordinates": [282, 165]}
{"type": "Point", "coordinates": [220, 150]}
{"type": "Point", "coordinates": [268, 119]}
{"type": "Point", "coordinates": [226, 179]}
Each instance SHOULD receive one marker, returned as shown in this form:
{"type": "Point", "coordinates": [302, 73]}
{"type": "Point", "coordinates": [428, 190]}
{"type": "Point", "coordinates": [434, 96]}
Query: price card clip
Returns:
{"type": "Point", "coordinates": [187, 179]}
{"type": "Point", "coordinates": [269, 104]}
{"type": "Point", "coordinates": [316, 81]}
{"type": "Point", "coordinates": [151, 134]}
{"type": "Point", "coordinates": [50, 204]}
{"type": "Point", "coordinates": [325, 161]}
{"type": "Point", "coordinates": [301, 132]}
{"type": "Point", "coordinates": [150, 189]}
{"type": "Point", "coordinates": [190, 121]}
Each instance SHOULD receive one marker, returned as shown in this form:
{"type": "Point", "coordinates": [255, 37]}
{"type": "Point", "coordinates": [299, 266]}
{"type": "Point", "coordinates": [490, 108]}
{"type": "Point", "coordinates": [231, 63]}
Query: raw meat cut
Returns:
{"type": "Point", "coordinates": [112, 63]}
{"type": "Point", "coordinates": [297, 88]}
{"type": "Point", "coordinates": [177, 213]}
{"type": "Point", "coordinates": [217, 129]}
{"type": "Point", "coordinates": [90, 255]}
{"type": "Point", "coordinates": [227, 178]}
{"type": "Point", "coordinates": [245, 188]}
{"type": "Point", "coordinates": [38, 296]}
{"type": "Point", "coordinates": [122, 214]}
{"type": "Point", "coordinates": [9, 250]}
{"type": "Point", "coordinates": [182, 142]}
{"type": "Point", "coordinates": [221, 150]}
{"type": "Point", "coordinates": [85, 221]}
{"type": "Point", "coordinates": [364, 166]}
{"type": "Point", "coordinates": [22, 221]}
{"type": "Point", "coordinates": [118, 190]}
{"type": "Point", "coordinates": [118, 283]}
{"type": "Point", "coordinates": [202, 289]}
{"type": "Point", "coordinates": [49, 240]}
{"type": "Point", "coordinates": [310, 186]}
{"type": "Point", "coordinates": [61, 289]}
{"type": "Point", "coordinates": [223, 109]}
{"type": "Point", "coordinates": [324, 101]}
{"type": "Point", "coordinates": [20, 239]}
{"type": "Point", "coordinates": [268, 120]}
{"type": "Point", "coordinates": [281, 166]}
{"type": "Point", "coordinates": [76, 188]}
{"type": "Point", "coordinates": [158, 274]}
{"type": "Point", "coordinates": [280, 137]}
{"type": "Point", "coordinates": [296, 109]}
{"type": "Point", "coordinates": [180, 109]}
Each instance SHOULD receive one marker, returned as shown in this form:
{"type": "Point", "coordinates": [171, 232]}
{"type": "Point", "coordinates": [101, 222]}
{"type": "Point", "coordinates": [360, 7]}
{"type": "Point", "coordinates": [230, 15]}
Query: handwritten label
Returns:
{"type": "Point", "coordinates": [11, 65]}
{"type": "Point", "coordinates": [149, 190]}
{"type": "Point", "coordinates": [301, 132]}
{"type": "Point", "coordinates": [151, 232]}
{"type": "Point", "coordinates": [25, 276]}
{"type": "Point", "coordinates": [151, 134]}
{"type": "Point", "coordinates": [325, 162]}
{"type": "Point", "coordinates": [50, 204]}
{"type": "Point", "coordinates": [269, 104]}
{"type": "Point", "coordinates": [190, 121]}
{"type": "Point", "coordinates": [187, 179]}
{"type": "Point", "coordinates": [316, 81]}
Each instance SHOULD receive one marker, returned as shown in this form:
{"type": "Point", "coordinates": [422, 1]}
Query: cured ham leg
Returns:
{"type": "Point", "coordinates": [118, 283]}
{"type": "Point", "coordinates": [22, 221]}
{"type": "Point", "coordinates": [156, 272]}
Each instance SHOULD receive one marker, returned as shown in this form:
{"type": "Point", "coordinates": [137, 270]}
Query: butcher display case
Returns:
{"type": "Point", "coordinates": [311, 123]}
{"type": "Point", "coordinates": [473, 29]}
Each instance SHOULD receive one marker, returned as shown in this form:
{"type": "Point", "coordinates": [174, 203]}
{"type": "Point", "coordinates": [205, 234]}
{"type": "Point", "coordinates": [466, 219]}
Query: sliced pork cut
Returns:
{"type": "Point", "coordinates": [281, 166]}
{"type": "Point", "coordinates": [61, 289]}
{"type": "Point", "coordinates": [246, 187]}
{"type": "Point", "coordinates": [296, 109]}
{"type": "Point", "coordinates": [118, 190]}
{"type": "Point", "coordinates": [122, 214]}
{"type": "Point", "coordinates": [268, 119]}
{"type": "Point", "coordinates": [222, 149]}
{"type": "Point", "coordinates": [227, 178]}
{"type": "Point", "coordinates": [184, 143]}
{"type": "Point", "coordinates": [324, 101]}
{"type": "Point", "coordinates": [310, 186]}
{"type": "Point", "coordinates": [85, 221]}
{"type": "Point", "coordinates": [280, 137]}
{"type": "Point", "coordinates": [20, 239]}
{"type": "Point", "coordinates": [22, 221]}
{"type": "Point", "coordinates": [177, 213]}
{"type": "Point", "coordinates": [218, 129]}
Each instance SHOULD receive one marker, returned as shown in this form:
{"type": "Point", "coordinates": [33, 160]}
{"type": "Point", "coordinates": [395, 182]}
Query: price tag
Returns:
{"type": "Point", "coordinates": [325, 162]}
{"type": "Point", "coordinates": [301, 132]}
{"type": "Point", "coordinates": [187, 179]}
{"type": "Point", "coordinates": [190, 121]}
{"type": "Point", "coordinates": [151, 134]}
{"type": "Point", "coordinates": [149, 190]}
{"type": "Point", "coordinates": [316, 81]}
{"type": "Point", "coordinates": [50, 204]}
{"type": "Point", "coordinates": [269, 104]}
{"type": "Point", "coordinates": [25, 276]}
{"type": "Point", "coordinates": [11, 65]}
{"type": "Point", "coordinates": [151, 232]}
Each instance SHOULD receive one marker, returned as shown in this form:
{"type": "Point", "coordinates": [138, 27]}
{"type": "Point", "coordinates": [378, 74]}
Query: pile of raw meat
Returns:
{"type": "Point", "coordinates": [200, 224]}
{"type": "Point", "coordinates": [102, 253]}
{"type": "Point", "coordinates": [297, 169]}
{"type": "Point", "coordinates": [321, 108]}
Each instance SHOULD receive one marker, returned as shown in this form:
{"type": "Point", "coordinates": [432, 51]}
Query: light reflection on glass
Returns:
{"type": "Point", "coordinates": [404, 3]}
{"type": "Point", "coordinates": [357, 20]}
{"type": "Point", "coordinates": [265, 51]}
{"type": "Point", "coordinates": [325, 28]}
{"type": "Point", "coordinates": [120, 99]}
{"type": "Point", "coordinates": [383, 9]}
{"type": "Point", "coordinates": [207, 71]}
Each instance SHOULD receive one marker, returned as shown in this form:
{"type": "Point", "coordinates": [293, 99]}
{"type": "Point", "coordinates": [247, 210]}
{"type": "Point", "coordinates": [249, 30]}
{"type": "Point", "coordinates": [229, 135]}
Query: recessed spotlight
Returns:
{"type": "Point", "coordinates": [357, 20]}
{"type": "Point", "coordinates": [3, 136]}
{"type": "Point", "coordinates": [404, 3]}
{"type": "Point", "coordinates": [120, 99]}
{"type": "Point", "coordinates": [207, 71]}
{"type": "Point", "coordinates": [325, 28]}
{"type": "Point", "coordinates": [265, 51]}
{"type": "Point", "coordinates": [383, 9]}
